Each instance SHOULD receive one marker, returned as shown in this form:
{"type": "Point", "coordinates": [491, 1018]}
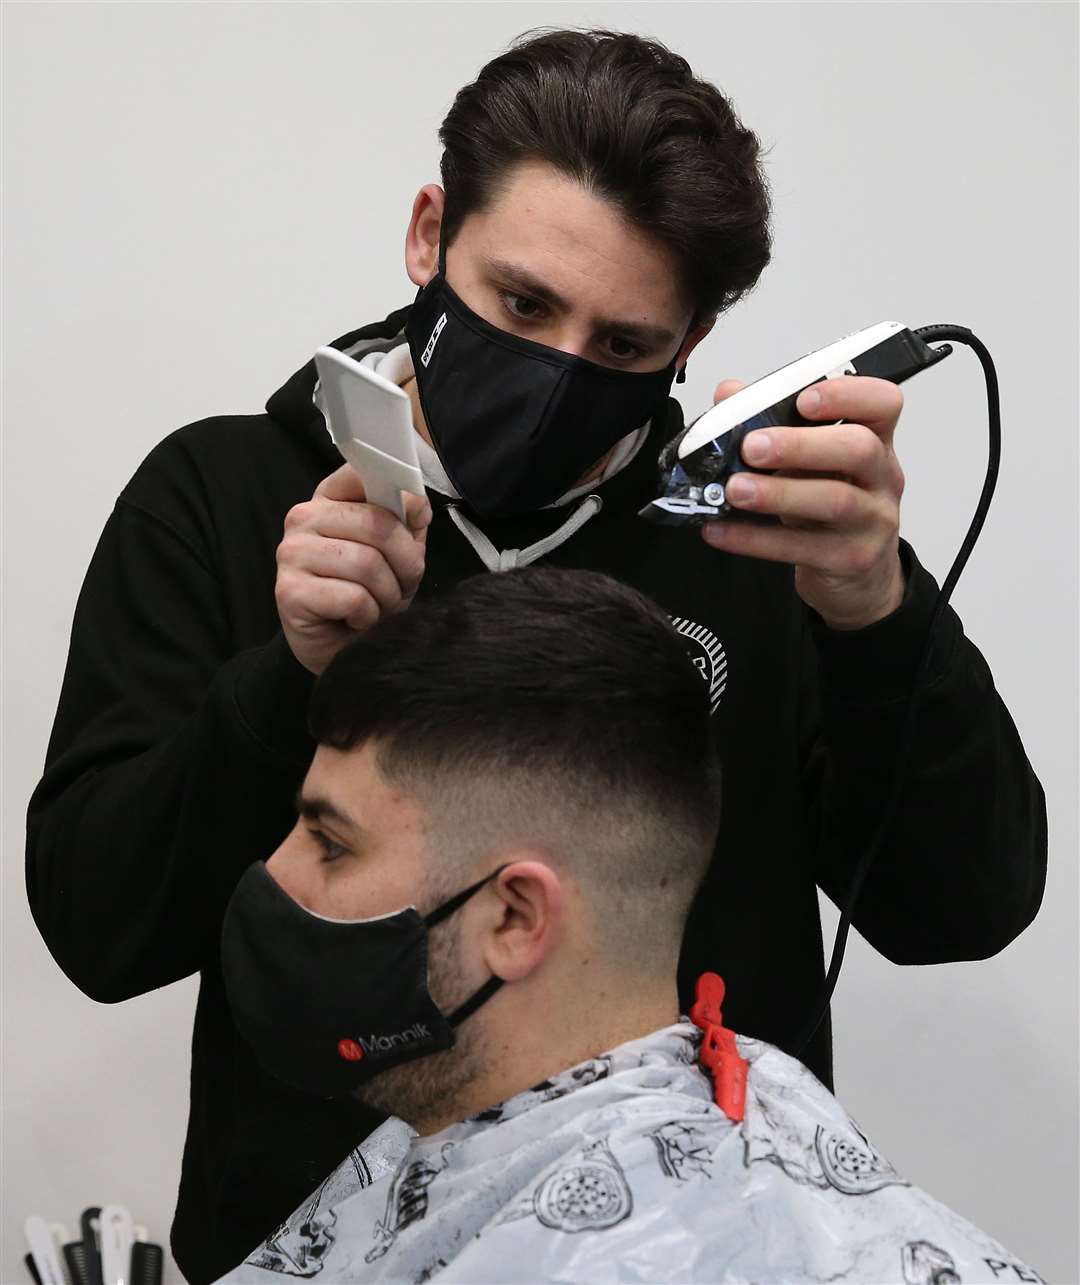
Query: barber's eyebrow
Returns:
{"type": "Point", "coordinates": [316, 807]}
{"type": "Point", "coordinates": [520, 279]}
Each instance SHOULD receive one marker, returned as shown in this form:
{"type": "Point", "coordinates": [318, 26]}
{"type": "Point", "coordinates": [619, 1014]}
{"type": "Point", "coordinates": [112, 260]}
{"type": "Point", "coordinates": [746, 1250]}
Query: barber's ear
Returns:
{"type": "Point", "coordinates": [422, 237]}
{"type": "Point", "coordinates": [525, 926]}
{"type": "Point", "coordinates": [696, 335]}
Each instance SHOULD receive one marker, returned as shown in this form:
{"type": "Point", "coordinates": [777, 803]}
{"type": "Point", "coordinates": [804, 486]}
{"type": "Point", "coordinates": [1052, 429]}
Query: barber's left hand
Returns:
{"type": "Point", "coordinates": [837, 494]}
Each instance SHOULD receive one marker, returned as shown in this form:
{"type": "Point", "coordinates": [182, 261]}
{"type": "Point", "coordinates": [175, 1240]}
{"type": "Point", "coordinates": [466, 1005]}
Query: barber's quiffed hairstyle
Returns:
{"type": "Point", "coordinates": [547, 709]}
{"type": "Point", "coordinates": [626, 118]}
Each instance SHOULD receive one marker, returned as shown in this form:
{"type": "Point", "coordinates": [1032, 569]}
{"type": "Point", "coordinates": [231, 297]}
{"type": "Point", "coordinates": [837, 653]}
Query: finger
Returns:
{"type": "Point", "coordinates": [852, 450]}
{"type": "Point", "coordinates": [877, 403]}
{"type": "Point", "coordinates": [362, 564]}
{"type": "Point", "coordinates": [364, 616]}
{"type": "Point", "coordinates": [725, 388]}
{"type": "Point", "coordinates": [824, 551]}
{"type": "Point", "coordinates": [821, 500]}
{"type": "Point", "coordinates": [311, 603]}
{"type": "Point", "coordinates": [373, 525]}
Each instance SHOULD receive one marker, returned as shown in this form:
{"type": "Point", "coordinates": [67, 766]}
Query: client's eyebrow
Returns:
{"type": "Point", "coordinates": [519, 279]}
{"type": "Point", "coordinates": [316, 807]}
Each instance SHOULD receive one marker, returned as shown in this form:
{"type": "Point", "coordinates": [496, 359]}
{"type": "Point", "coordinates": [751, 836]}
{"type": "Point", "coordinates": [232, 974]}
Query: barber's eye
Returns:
{"type": "Point", "coordinates": [520, 306]}
{"type": "Point", "coordinates": [624, 349]}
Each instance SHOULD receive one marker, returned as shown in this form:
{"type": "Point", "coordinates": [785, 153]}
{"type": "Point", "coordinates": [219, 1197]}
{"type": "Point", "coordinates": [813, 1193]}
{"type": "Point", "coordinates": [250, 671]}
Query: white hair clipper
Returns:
{"type": "Point", "coordinates": [696, 465]}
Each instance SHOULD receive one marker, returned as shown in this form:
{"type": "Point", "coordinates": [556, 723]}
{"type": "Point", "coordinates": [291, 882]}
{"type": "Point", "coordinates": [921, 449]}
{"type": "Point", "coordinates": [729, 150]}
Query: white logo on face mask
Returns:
{"type": "Point", "coordinates": [386, 1043]}
{"type": "Point", "coordinates": [426, 357]}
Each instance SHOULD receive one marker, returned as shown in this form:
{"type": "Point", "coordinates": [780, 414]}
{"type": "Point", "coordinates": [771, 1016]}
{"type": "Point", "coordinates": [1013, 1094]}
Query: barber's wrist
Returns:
{"type": "Point", "coordinates": [865, 604]}
{"type": "Point", "coordinates": [272, 692]}
{"type": "Point", "coordinates": [879, 661]}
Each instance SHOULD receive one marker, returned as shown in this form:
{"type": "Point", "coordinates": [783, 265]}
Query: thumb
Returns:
{"type": "Point", "coordinates": [343, 484]}
{"type": "Point", "coordinates": [725, 388]}
{"type": "Point", "coordinates": [418, 515]}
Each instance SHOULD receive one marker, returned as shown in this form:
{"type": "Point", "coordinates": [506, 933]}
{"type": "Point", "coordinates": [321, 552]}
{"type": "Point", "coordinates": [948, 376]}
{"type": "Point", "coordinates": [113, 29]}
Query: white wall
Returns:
{"type": "Point", "coordinates": [200, 194]}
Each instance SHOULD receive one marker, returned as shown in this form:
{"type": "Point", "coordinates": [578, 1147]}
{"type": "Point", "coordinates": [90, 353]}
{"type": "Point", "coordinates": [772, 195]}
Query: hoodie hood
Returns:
{"type": "Point", "coordinates": [292, 406]}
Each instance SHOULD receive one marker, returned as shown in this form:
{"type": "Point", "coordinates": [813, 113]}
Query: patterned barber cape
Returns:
{"type": "Point", "coordinates": [623, 1169]}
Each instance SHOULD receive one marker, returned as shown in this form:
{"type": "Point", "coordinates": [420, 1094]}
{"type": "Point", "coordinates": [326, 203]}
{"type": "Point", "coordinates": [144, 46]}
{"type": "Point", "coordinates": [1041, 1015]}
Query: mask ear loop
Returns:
{"type": "Point", "coordinates": [493, 983]}
{"type": "Point", "coordinates": [459, 899]}
{"type": "Point", "coordinates": [680, 378]}
{"type": "Point", "coordinates": [471, 1005]}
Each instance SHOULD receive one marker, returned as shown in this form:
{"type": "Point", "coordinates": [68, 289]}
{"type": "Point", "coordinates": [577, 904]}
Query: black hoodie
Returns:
{"type": "Point", "coordinates": [180, 740]}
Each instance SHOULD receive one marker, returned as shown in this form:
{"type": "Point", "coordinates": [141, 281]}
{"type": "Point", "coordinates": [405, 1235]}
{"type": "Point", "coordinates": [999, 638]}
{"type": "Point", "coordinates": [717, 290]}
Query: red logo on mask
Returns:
{"type": "Point", "coordinates": [350, 1050]}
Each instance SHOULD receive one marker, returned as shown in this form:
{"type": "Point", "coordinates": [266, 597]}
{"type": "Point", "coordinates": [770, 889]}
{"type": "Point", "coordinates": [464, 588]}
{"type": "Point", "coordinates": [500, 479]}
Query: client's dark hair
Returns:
{"type": "Point", "coordinates": [542, 708]}
{"type": "Point", "coordinates": [626, 118]}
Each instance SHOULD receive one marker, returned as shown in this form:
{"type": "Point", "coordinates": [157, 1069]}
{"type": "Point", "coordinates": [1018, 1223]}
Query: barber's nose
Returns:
{"type": "Point", "coordinates": [567, 340]}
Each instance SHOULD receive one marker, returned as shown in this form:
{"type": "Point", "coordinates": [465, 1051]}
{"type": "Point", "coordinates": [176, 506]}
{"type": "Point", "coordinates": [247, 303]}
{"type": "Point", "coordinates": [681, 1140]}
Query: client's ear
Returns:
{"type": "Point", "coordinates": [521, 918]}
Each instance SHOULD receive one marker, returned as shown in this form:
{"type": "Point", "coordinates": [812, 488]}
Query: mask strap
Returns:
{"type": "Point", "coordinates": [680, 378]}
{"type": "Point", "coordinates": [442, 256]}
{"type": "Point", "coordinates": [471, 1005]}
{"type": "Point", "coordinates": [493, 983]}
{"type": "Point", "coordinates": [448, 907]}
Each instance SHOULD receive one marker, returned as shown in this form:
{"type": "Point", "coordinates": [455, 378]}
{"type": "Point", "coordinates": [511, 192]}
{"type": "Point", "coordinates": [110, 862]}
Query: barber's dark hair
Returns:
{"type": "Point", "coordinates": [626, 118]}
{"type": "Point", "coordinates": [542, 707]}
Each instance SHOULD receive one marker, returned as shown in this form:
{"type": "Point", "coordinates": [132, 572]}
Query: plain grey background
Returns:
{"type": "Point", "coordinates": [198, 195]}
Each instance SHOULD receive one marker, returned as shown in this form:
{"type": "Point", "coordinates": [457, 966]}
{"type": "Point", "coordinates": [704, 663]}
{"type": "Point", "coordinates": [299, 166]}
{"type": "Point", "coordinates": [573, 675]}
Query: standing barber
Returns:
{"type": "Point", "coordinates": [599, 208]}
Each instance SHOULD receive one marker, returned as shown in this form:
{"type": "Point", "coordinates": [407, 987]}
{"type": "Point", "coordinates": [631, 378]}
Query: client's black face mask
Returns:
{"type": "Point", "coordinates": [516, 423]}
{"type": "Point", "coordinates": [327, 1004]}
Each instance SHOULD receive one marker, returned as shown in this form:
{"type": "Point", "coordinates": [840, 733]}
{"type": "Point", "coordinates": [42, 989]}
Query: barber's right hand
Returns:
{"type": "Point", "coordinates": [343, 563]}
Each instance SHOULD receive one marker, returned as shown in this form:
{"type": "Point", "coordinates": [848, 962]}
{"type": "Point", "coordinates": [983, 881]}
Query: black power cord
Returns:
{"type": "Point", "coordinates": [961, 335]}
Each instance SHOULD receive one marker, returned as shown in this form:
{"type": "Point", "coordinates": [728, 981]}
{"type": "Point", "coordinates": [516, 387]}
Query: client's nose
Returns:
{"type": "Point", "coordinates": [287, 869]}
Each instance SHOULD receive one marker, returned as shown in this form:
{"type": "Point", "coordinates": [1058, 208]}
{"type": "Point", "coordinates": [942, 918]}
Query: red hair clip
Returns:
{"type": "Point", "coordinates": [718, 1053]}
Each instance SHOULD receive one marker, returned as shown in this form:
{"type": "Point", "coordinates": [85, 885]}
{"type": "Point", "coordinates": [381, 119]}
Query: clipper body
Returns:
{"type": "Point", "coordinates": [695, 466]}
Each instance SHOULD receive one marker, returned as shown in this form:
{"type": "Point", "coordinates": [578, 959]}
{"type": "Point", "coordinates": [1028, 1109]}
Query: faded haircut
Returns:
{"type": "Point", "coordinates": [547, 709]}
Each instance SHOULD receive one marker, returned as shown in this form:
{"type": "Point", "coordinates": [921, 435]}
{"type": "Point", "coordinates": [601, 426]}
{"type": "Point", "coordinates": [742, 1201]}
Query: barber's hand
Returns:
{"type": "Point", "coordinates": [343, 563]}
{"type": "Point", "coordinates": [837, 495]}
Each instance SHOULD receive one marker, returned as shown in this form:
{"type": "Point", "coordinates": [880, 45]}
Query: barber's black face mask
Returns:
{"type": "Point", "coordinates": [516, 423]}
{"type": "Point", "coordinates": [327, 1004]}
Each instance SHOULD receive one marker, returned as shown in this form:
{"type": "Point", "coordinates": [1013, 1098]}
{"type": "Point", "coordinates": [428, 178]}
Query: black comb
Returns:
{"type": "Point", "coordinates": [75, 1257]}
{"type": "Point", "coordinates": [91, 1264]}
{"type": "Point", "coordinates": [147, 1260]}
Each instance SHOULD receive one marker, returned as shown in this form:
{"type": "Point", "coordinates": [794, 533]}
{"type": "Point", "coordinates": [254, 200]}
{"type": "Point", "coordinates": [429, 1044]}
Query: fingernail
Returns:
{"type": "Point", "coordinates": [757, 447]}
{"type": "Point", "coordinates": [740, 489]}
{"type": "Point", "coordinates": [809, 401]}
{"type": "Point", "coordinates": [714, 532]}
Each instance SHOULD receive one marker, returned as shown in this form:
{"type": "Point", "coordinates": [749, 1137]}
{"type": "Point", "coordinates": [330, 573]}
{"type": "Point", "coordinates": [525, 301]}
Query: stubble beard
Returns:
{"type": "Point", "coordinates": [428, 1091]}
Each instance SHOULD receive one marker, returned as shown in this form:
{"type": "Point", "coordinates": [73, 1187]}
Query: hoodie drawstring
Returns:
{"type": "Point", "coordinates": [506, 559]}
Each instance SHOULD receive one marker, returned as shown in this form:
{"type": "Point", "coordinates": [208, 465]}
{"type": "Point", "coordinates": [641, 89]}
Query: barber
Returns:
{"type": "Point", "coordinates": [600, 207]}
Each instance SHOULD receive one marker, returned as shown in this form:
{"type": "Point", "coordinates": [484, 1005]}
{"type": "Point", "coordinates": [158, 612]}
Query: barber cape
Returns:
{"type": "Point", "coordinates": [623, 1169]}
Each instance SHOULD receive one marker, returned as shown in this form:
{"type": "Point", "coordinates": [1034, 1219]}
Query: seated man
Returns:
{"type": "Point", "coordinates": [525, 765]}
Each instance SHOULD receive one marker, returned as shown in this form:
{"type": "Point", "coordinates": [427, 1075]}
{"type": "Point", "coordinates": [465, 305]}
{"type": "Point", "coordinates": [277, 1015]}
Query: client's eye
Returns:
{"type": "Point", "coordinates": [331, 848]}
